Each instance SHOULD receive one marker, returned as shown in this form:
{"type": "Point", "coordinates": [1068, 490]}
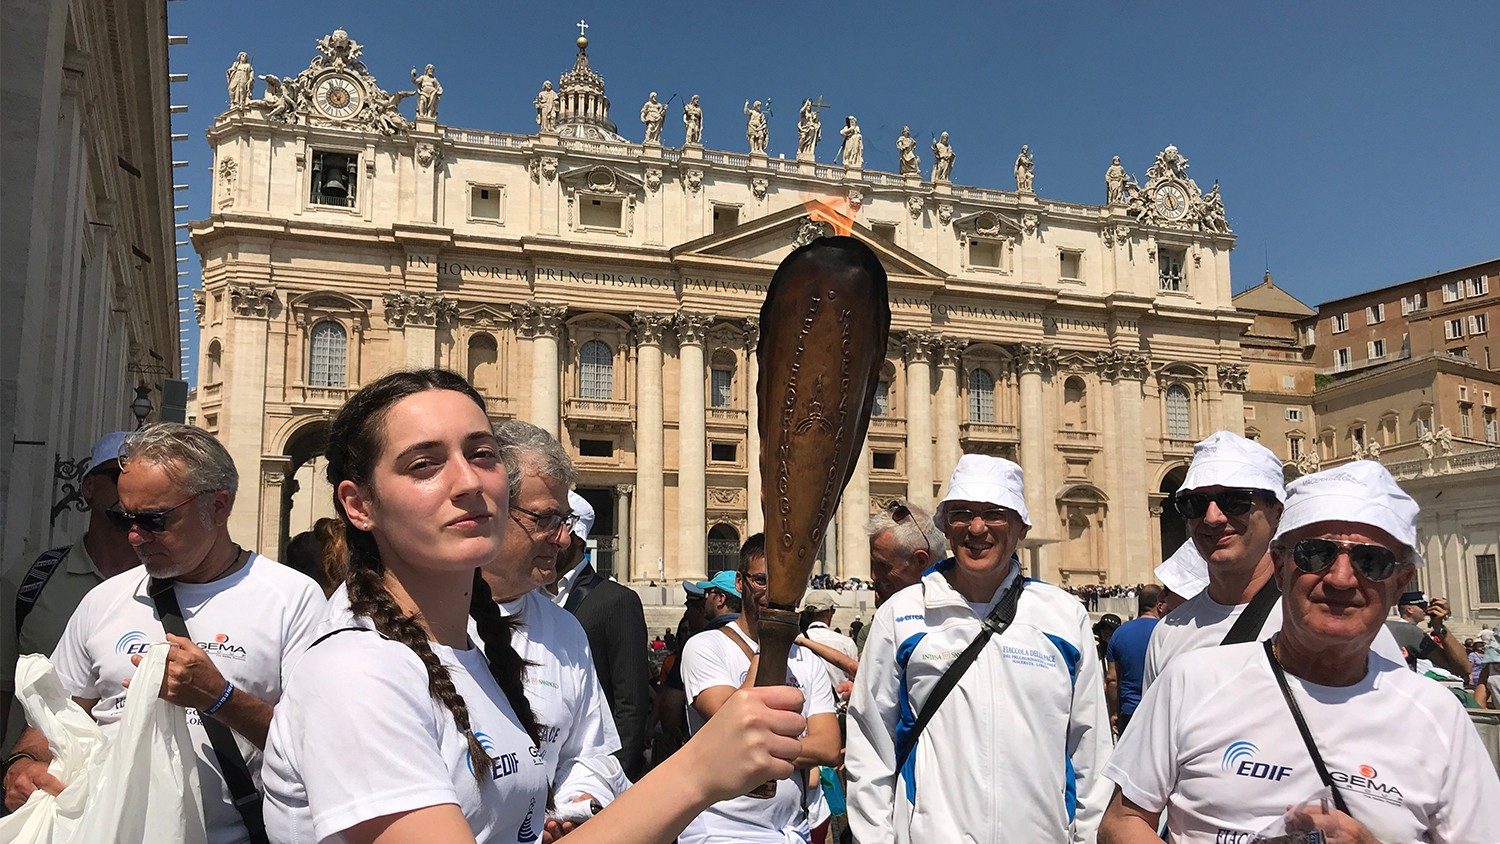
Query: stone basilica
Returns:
{"type": "Point", "coordinates": [608, 291]}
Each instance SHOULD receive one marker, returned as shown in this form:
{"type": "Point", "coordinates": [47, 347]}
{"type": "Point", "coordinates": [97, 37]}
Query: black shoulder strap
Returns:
{"type": "Point", "coordinates": [1248, 626]}
{"type": "Point", "coordinates": [581, 589]}
{"type": "Point", "coordinates": [242, 790]}
{"type": "Point", "coordinates": [1307, 739]}
{"type": "Point", "coordinates": [319, 640]}
{"type": "Point", "coordinates": [37, 577]}
{"type": "Point", "coordinates": [994, 624]}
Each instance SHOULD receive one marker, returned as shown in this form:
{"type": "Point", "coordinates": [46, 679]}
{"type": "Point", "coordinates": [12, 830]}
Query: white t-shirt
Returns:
{"type": "Point", "coordinates": [1214, 744]}
{"type": "Point", "coordinates": [358, 736]}
{"type": "Point", "coordinates": [1202, 622]}
{"type": "Point", "coordinates": [825, 635]}
{"type": "Point", "coordinates": [711, 659]}
{"type": "Point", "coordinates": [251, 623]}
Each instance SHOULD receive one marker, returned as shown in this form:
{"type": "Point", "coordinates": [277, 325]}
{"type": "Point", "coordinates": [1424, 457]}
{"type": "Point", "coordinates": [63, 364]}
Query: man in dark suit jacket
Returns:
{"type": "Point", "coordinates": [612, 617]}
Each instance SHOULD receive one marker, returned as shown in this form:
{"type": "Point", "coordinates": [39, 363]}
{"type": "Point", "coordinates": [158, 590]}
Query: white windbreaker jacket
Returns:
{"type": "Point", "coordinates": [1017, 750]}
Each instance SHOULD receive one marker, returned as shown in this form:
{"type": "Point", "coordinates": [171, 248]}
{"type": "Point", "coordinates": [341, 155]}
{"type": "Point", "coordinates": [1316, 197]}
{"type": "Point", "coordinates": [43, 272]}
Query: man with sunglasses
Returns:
{"type": "Point", "coordinates": [56, 581]}
{"type": "Point", "coordinates": [246, 616]}
{"type": "Point", "coordinates": [1360, 748]}
{"type": "Point", "coordinates": [903, 543]}
{"type": "Point", "coordinates": [1232, 502]}
{"type": "Point", "coordinates": [1439, 647]}
{"type": "Point", "coordinates": [1015, 751]}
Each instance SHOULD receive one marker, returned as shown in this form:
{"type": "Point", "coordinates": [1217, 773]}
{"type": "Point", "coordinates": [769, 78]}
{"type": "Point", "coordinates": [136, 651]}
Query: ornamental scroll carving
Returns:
{"type": "Point", "coordinates": [1035, 357]}
{"type": "Point", "coordinates": [950, 350]}
{"type": "Point", "coordinates": [199, 305]}
{"type": "Point", "coordinates": [649, 327]}
{"type": "Point", "coordinates": [1115, 365]}
{"type": "Point", "coordinates": [548, 317]}
{"type": "Point", "coordinates": [1232, 377]}
{"type": "Point", "coordinates": [252, 300]}
{"type": "Point", "coordinates": [336, 89]}
{"type": "Point", "coordinates": [811, 230]}
{"type": "Point", "coordinates": [692, 327]}
{"type": "Point", "coordinates": [752, 333]}
{"type": "Point", "coordinates": [726, 497]}
{"type": "Point", "coordinates": [917, 346]}
{"type": "Point", "coordinates": [403, 308]}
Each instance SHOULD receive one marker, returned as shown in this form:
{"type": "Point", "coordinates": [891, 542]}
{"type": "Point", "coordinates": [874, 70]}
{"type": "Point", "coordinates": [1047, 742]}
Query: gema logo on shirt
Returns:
{"type": "Point", "coordinates": [1239, 758]}
{"type": "Point", "coordinates": [136, 642]}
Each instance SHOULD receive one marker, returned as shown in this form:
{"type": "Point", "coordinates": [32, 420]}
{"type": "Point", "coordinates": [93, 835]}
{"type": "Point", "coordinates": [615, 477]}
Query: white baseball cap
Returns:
{"type": "Point", "coordinates": [1228, 459]}
{"type": "Point", "coordinates": [1185, 572]}
{"type": "Point", "coordinates": [585, 513]}
{"type": "Point", "coordinates": [993, 480]}
{"type": "Point", "coordinates": [1361, 491]}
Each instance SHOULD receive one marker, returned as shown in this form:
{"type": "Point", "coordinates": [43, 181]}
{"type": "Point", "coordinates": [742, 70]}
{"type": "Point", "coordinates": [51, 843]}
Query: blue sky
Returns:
{"type": "Point", "coordinates": [1356, 143]}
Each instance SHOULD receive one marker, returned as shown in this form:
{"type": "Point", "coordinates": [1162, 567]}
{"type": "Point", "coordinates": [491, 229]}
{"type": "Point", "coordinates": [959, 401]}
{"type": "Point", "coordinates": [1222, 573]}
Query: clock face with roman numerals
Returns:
{"type": "Point", "coordinates": [337, 96]}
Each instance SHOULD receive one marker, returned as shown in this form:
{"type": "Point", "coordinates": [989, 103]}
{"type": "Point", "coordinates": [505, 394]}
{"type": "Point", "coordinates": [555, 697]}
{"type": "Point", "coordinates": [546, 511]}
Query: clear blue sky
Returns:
{"type": "Point", "coordinates": [1356, 143]}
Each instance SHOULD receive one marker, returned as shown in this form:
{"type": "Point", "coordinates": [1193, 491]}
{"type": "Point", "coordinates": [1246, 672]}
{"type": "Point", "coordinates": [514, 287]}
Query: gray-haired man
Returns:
{"type": "Point", "coordinates": [903, 543]}
{"type": "Point", "coordinates": [246, 617]}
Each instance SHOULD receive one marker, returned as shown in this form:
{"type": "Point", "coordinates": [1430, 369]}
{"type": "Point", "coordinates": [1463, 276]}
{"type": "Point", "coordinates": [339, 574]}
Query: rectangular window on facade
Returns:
{"type": "Point", "coordinates": [1376, 349]}
{"type": "Point", "coordinates": [1309, 335]}
{"type": "Point", "coordinates": [883, 460]}
{"type": "Point", "coordinates": [1463, 392]}
{"type": "Point", "coordinates": [1489, 398]}
{"type": "Point", "coordinates": [1249, 411]}
{"type": "Point", "coordinates": [1340, 323]}
{"type": "Point", "coordinates": [1294, 414]}
{"type": "Point", "coordinates": [1479, 285]}
{"type": "Point", "coordinates": [1489, 578]}
{"type": "Point", "coordinates": [1288, 382]}
{"type": "Point", "coordinates": [1294, 447]}
{"type": "Point", "coordinates": [726, 218]}
{"type": "Point", "coordinates": [1424, 422]}
{"type": "Point", "coordinates": [1465, 423]}
{"type": "Point", "coordinates": [882, 406]}
{"type": "Point", "coordinates": [600, 213]}
{"type": "Point", "coordinates": [1341, 360]}
{"type": "Point", "coordinates": [1453, 291]}
{"type": "Point", "coordinates": [1491, 427]}
{"type": "Point", "coordinates": [884, 232]}
{"type": "Point", "coordinates": [1070, 265]}
{"type": "Point", "coordinates": [484, 202]}
{"type": "Point", "coordinates": [1413, 303]}
{"type": "Point", "coordinates": [986, 254]}
{"type": "Point", "coordinates": [596, 448]}
{"type": "Point", "coordinates": [722, 452]}
{"type": "Point", "coordinates": [1479, 324]}
{"type": "Point", "coordinates": [1453, 329]}
{"type": "Point", "coordinates": [1375, 314]}
{"type": "Point", "coordinates": [335, 176]}
{"type": "Point", "coordinates": [1357, 434]}
{"type": "Point", "coordinates": [1169, 271]}
{"type": "Point", "coordinates": [720, 391]}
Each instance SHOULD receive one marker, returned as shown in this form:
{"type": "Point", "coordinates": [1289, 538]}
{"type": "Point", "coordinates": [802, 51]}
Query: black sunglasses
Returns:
{"type": "Point", "coordinates": [150, 521]}
{"type": "Point", "coordinates": [900, 512]}
{"type": "Point", "coordinates": [1373, 562]}
{"type": "Point", "coordinates": [1232, 502]}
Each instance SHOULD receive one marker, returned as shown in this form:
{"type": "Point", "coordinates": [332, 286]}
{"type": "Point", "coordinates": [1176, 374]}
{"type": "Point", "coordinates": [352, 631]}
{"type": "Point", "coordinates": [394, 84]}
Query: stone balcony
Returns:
{"type": "Point", "coordinates": [598, 414]}
{"type": "Point", "coordinates": [888, 425]}
{"type": "Point", "coordinates": [733, 417]}
{"type": "Point", "coordinates": [1177, 446]}
{"type": "Point", "coordinates": [498, 406]}
{"type": "Point", "coordinates": [322, 396]}
{"type": "Point", "coordinates": [977, 433]}
{"type": "Point", "coordinates": [1077, 439]}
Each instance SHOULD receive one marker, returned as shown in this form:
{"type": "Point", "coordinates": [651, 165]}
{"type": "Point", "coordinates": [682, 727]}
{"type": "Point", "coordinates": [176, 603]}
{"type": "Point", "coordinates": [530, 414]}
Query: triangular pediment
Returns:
{"type": "Point", "coordinates": [601, 178]}
{"type": "Point", "coordinates": [1267, 298]}
{"type": "Point", "coordinates": [769, 239]}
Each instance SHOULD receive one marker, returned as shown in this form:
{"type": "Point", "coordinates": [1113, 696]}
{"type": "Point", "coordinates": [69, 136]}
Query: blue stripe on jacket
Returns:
{"type": "Point", "coordinates": [908, 722]}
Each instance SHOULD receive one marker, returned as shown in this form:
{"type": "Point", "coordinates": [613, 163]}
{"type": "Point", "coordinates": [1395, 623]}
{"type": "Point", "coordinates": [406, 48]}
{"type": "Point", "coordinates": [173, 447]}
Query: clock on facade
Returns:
{"type": "Point", "coordinates": [1171, 202]}
{"type": "Point", "coordinates": [338, 96]}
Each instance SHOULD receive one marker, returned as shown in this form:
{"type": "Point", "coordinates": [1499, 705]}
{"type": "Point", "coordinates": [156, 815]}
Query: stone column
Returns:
{"type": "Point", "coordinates": [1130, 506]}
{"type": "Point", "coordinates": [1232, 377]}
{"type": "Point", "coordinates": [854, 512]}
{"type": "Point", "coordinates": [272, 475]}
{"type": "Point", "coordinates": [418, 315]}
{"type": "Point", "coordinates": [1032, 361]}
{"type": "Point", "coordinates": [918, 350]}
{"type": "Point", "coordinates": [756, 514]}
{"type": "Point", "coordinates": [692, 463]}
{"type": "Point", "coordinates": [242, 418]}
{"type": "Point", "coordinates": [650, 495]}
{"type": "Point", "coordinates": [624, 560]}
{"type": "Point", "coordinates": [949, 352]}
{"type": "Point", "coordinates": [546, 379]}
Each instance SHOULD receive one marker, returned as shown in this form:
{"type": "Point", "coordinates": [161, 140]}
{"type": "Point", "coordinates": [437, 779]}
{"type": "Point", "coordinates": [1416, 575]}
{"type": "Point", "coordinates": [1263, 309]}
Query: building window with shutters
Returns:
{"type": "Point", "coordinates": [1489, 578]}
{"type": "Point", "coordinates": [1179, 424]}
{"type": "Point", "coordinates": [721, 388]}
{"type": "Point", "coordinates": [981, 396]}
{"type": "Point", "coordinates": [882, 406]}
{"type": "Point", "coordinates": [596, 371]}
{"type": "Point", "coordinates": [330, 344]}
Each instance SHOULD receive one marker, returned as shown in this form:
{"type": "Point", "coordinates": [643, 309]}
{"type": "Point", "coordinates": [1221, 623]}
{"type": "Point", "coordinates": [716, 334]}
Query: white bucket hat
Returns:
{"type": "Point", "coordinates": [1362, 492]}
{"type": "Point", "coordinates": [993, 480]}
{"type": "Point", "coordinates": [1185, 572]}
{"type": "Point", "coordinates": [1228, 459]}
{"type": "Point", "coordinates": [585, 513]}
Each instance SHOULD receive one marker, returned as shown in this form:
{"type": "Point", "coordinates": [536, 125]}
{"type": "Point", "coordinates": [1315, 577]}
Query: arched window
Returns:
{"type": "Point", "coordinates": [1075, 404]}
{"type": "Point", "coordinates": [723, 549]}
{"type": "Point", "coordinates": [882, 398]}
{"type": "Point", "coordinates": [213, 361]}
{"type": "Point", "coordinates": [721, 380]}
{"type": "Point", "coordinates": [981, 396]}
{"type": "Point", "coordinates": [596, 371]}
{"type": "Point", "coordinates": [1179, 426]}
{"type": "Point", "coordinates": [484, 362]}
{"type": "Point", "coordinates": [329, 346]}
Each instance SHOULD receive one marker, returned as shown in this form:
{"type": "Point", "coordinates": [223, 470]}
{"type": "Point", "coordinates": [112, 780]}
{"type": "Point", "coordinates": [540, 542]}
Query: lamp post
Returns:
{"type": "Point", "coordinates": [142, 406]}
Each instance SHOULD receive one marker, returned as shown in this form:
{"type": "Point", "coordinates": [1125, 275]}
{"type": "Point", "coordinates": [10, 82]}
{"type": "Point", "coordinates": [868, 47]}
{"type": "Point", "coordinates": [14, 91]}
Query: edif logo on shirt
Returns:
{"type": "Point", "coordinates": [1239, 757]}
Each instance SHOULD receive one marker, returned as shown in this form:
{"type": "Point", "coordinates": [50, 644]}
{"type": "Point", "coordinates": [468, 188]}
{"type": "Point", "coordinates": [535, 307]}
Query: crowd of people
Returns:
{"type": "Point", "coordinates": [442, 662]}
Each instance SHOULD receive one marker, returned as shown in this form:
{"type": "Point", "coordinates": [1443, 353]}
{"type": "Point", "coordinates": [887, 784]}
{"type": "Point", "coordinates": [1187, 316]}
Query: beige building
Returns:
{"type": "Point", "coordinates": [609, 290]}
{"type": "Point", "coordinates": [1278, 395]}
{"type": "Point", "coordinates": [89, 291]}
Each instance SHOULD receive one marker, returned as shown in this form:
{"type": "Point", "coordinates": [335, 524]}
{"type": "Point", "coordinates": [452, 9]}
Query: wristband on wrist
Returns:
{"type": "Point", "coordinates": [13, 759]}
{"type": "Point", "coordinates": [223, 699]}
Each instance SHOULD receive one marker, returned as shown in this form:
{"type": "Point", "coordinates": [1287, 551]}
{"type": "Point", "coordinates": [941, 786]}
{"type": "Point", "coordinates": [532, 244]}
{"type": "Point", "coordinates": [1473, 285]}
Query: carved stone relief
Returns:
{"type": "Point", "coordinates": [1232, 376]}
{"type": "Point", "coordinates": [650, 327]}
{"type": "Point", "coordinates": [252, 300]}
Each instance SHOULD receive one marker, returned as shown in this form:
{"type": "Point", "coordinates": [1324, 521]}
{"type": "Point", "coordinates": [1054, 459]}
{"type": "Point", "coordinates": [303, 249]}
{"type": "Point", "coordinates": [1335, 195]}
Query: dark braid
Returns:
{"type": "Point", "coordinates": [506, 665]}
{"type": "Point", "coordinates": [355, 440]}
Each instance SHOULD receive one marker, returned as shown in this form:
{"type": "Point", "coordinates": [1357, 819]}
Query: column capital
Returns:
{"type": "Point", "coordinates": [199, 304]}
{"type": "Point", "coordinates": [650, 327]}
{"type": "Point", "coordinates": [549, 317]}
{"type": "Point", "coordinates": [1040, 358]}
{"type": "Point", "coordinates": [1232, 377]}
{"type": "Point", "coordinates": [405, 308]}
{"type": "Point", "coordinates": [752, 333]}
{"type": "Point", "coordinates": [692, 327]}
{"type": "Point", "coordinates": [625, 489]}
{"type": "Point", "coordinates": [917, 346]}
{"type": "Point", "coordinates": [1114, 365]}
{"type": "Point", "coordinates": [949, 349]}
{"type": "Point", "coordinates": [252, 300]}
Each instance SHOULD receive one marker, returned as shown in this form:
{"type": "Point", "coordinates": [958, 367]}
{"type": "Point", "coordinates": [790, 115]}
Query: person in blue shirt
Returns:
{"type": "Point", "coordinates": [1125, 658]}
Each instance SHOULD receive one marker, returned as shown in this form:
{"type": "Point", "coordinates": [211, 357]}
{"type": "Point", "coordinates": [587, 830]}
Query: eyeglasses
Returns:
{"type": "Point", "coordinates": [549, 523]}
{"type": "Point", "coordinates": [992, 518]}
{"type": "Point", "coordinates": [759, 578]}
{"type": "Point", "coordinates": [1373, 562]}
{"type": "Point", "coordinates": [150, 521]}
{"type": "Point", "coordinates": [1232, 502]}
{"type": "Point", "coordinates": [900, 511]}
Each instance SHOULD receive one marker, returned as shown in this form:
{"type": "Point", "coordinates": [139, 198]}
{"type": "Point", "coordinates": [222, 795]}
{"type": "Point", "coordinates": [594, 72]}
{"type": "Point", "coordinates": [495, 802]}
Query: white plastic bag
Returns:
{"type": "Point", "coordinates": [144, 778]}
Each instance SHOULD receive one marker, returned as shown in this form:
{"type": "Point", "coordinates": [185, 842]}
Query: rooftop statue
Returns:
{"type": "Point", "coordinates": [757, 131]}
{"type": "Point", "coordinates": [241, 76]}
{"type": "Point", "coordinates": [942, 159]}
{"type": "Point", "coordinates": [653, 114]}
{"type": "Point", "coordinates": [906, 147]}
{"type": "Point", "coordinates": [809, 131]}
{"type": "Point", "coordinates": [429, 91]}
{"type": "Point", "coordinates": [692, 120]}
{"type": "Point", "coordinates": [852, 150]}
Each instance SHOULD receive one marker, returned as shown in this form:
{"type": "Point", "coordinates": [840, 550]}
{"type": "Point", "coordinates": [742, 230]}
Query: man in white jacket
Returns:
{"type": "Point", "coordinates": [1015, 752]}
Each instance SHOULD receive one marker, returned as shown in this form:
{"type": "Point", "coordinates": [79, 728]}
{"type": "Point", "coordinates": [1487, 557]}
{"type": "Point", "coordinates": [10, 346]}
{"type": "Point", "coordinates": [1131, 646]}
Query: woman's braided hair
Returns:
{"type": "Point", "coordinates": [354, 443]}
